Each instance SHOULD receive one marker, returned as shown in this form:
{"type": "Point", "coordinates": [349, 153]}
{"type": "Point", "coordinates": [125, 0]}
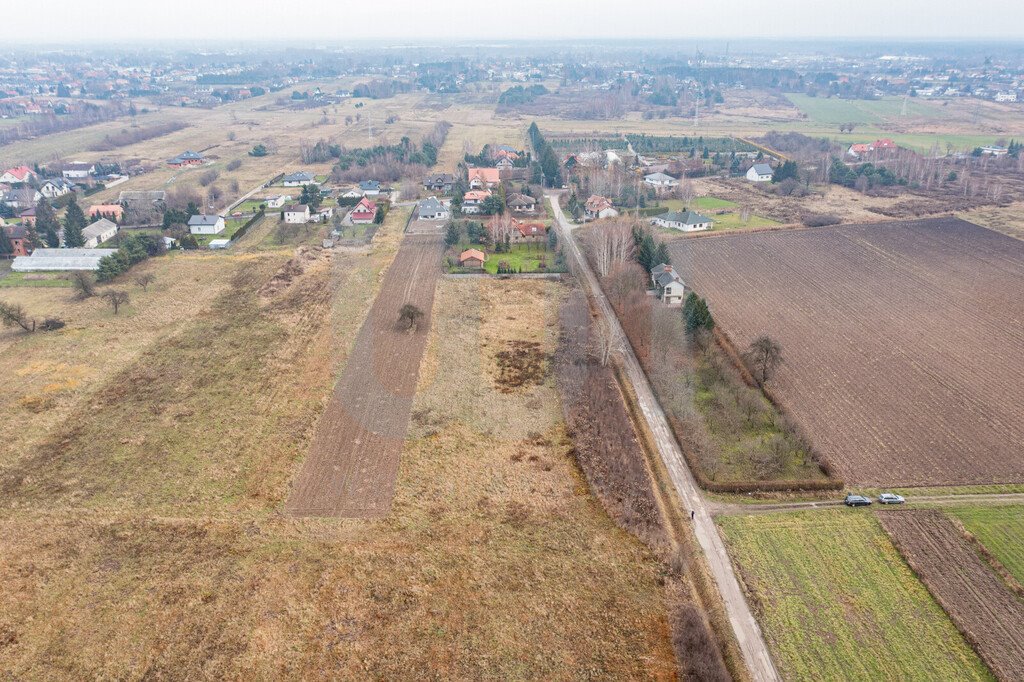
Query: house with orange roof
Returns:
{"type": "Point", "coordinates": [113, 212]}
{"type": "Point", "coordinates": [473, 200]}
{"type": "Point", "coordinates": [472, 258]}
{"type": "Point", "coordinates": [483, 178]}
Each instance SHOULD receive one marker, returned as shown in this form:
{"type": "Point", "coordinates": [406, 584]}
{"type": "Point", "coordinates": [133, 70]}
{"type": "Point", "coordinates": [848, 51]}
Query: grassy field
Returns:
{"type": "Point", "coordinates": [836, 600]}
{"type": "Point", "coordinates": [726, 214]}
{"type": "Point", "coordinates": [834, 111]}
{"type": "Point", "coordinates": [33, 279]}
{"type": "Point", "coordinates": [521, 257]}
{"type": "Point", "coordinates": [1001, 530]}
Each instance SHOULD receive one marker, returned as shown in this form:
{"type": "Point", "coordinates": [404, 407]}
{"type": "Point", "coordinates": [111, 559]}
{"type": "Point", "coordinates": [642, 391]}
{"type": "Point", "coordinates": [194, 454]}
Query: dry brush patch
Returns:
{"type": "Point", "coordinates": [901, 357]}
{"type": "Point", "coordinates": [981, 604]}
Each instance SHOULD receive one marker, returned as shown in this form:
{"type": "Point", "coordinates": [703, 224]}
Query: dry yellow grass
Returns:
{"type": "Point", "coordinates": [1006, 219]}
{"type": "Point", "coordinates": [495, 562]}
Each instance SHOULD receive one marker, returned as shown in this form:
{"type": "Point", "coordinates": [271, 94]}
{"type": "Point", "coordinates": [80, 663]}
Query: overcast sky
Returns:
{"type": "Point", "coordinates": [116, 21]}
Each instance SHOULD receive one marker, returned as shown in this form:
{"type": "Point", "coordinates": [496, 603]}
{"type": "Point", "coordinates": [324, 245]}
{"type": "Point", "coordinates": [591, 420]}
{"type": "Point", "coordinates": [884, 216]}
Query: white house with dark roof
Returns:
{"type": "Point", "coordinates": [206, 224]}
{"type": "Point", "coordinates": [298, 179]}
{"type": "Point", "coordinates": [684, 221]}
{"type": "Point", "coordinates": [760, 172]}
{"type": "Point", "coordinates": [432, 209]}
{"type": "Point", "coordinates": [297, 214]}
{"type": "Point", "coordinates": [78, 171]}
{"type": "Point", "coordinates": [668, 284]}
{"type": "Point", "coordinates": [660, 180]}
{"type": "Point", "coordinates": [55, 187]}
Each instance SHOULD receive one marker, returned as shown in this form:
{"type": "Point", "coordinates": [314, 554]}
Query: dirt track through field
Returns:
{"type": "Point", "coordinates": [903, 342]}
{"type": "Point", "coordinates": [352, 465]}
{"type": "Point", "coordinates": [977, 600]}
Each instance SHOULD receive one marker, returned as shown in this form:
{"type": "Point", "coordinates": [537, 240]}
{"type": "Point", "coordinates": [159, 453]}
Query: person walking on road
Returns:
{"type": "Point", "coordinates": [693, 513]}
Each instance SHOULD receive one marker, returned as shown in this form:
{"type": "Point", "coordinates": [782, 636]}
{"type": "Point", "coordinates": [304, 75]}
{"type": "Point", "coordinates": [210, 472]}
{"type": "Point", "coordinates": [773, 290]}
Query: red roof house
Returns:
{"type": "Point", "coordinates": [363, 212]}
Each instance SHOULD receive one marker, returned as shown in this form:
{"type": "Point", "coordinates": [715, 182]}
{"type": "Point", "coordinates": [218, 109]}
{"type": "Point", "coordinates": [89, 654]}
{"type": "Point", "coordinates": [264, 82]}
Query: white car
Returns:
{"type": "Point", "coordinates": [890, 498]}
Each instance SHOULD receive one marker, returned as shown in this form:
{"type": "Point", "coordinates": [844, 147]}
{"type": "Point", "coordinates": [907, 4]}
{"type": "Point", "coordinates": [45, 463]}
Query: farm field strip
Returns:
{"type": "Point", "coordinates": [352, 464]}
{"type": "Point", "coordinates": [1000, 529]}
{"type": "Point", "coordinates": [892, 391]}
{"type": "Point", "coordinates": [836, 601]}
{"type": "Point", "coordinates": [977, 600]}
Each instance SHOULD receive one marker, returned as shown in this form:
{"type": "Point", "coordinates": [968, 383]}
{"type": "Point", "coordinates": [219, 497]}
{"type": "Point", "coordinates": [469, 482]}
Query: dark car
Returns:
{"type": "Point", "coordinates": [856, 501]}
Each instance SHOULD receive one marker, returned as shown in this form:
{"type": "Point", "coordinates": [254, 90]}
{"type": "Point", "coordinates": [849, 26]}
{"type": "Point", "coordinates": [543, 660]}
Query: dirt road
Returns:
{"type": "Point", "coordinates": [352, 465]}
{"type": "Point", "coordinates": [740, 509]}
{"type": "Point", "coordinates": [755, 651]}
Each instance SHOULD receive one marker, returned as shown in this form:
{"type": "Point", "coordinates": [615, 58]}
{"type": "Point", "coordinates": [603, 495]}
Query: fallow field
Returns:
{"type": "Point", "coordinates": [902, 342]}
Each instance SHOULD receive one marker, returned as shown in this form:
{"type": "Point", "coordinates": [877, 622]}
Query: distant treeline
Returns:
{"type": "Point", "coordinates": [82, 115]}
{"type": "Point", "coordinates": [653, 144]}
{"type": "Point", "coordinates": [784, 79]}
{"type": "Point", "coordinates": [133, 135]}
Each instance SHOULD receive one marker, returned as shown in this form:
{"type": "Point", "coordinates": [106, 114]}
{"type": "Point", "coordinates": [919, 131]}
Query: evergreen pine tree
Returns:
{"type": "Point", "coordinates": [46, 224]}
{"type": "Point", "coordinates": [661, 255]}
{"type": "Point", "coordinates": [645, 254]}
{"type": "Point", "coordinates": [74, 223]}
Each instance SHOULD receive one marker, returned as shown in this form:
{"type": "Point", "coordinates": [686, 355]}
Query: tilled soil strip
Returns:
{"type": "Point", "coordinates": [352, 465]}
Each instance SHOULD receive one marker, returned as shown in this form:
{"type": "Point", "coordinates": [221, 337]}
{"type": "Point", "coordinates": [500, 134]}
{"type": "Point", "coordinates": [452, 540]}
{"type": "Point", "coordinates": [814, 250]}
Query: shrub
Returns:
{"type": "Point", "coordinates": [234, 165]}
{"type": "Point", "coordinates": [821, 220]}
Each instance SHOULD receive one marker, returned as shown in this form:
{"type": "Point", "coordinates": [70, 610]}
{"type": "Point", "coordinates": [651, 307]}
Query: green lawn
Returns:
{"type": "Point", "coordinates": [710, 206]}
{"type": "Point", "coordinates": [1000, 530]}
{"type": "Point", "coordinates": [231, 225]}
{"type": "Point", "coordinates": [836, 600]}
{"type": "Point", "coordinates": [34, 279]}
{"type": "Point", "coordinates": [521, 257]}
{"type": "Point", "coordinates": [834, 111]}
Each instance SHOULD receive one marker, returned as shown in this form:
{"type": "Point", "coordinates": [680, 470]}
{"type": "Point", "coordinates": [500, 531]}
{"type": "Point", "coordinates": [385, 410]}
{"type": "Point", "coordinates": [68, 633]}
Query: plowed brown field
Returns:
{"type": "Point", "coordinates": [903, 342]}
{"type": "Point", "coordinates": [351, 468]}
{"type": "Point", "coordinates": [977, 600]}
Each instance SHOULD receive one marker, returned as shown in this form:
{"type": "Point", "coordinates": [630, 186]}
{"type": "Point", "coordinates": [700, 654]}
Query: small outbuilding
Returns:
{"type": "Point", "coordinates": [472, 258]}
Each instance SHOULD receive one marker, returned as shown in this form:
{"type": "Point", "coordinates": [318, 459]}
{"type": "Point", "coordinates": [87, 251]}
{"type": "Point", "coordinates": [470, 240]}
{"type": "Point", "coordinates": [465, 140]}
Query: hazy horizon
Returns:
{"type": "Point", "coordinates": [234, 21]}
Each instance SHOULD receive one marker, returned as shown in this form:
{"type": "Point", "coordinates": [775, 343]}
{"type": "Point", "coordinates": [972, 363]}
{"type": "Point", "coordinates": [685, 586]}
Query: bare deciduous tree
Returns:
{"type": "Point", "coordinates": [610, 244]}
{"type": "Point", "coordinates": [84, 284]}
{"type": "Point", "coordinates": [117, 298]}
{"type": "Point", "coordinates": [763, 357]}
{"type": "Point", "coordinates": [144, 280]}
{"type": "Point", "coordinates": [605, 342]}
{"type": "Point", "coordinates": [14, 315]}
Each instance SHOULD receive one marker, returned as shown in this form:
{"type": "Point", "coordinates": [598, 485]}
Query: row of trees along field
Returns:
{"type": "Point", "coordinates": [733, 436]}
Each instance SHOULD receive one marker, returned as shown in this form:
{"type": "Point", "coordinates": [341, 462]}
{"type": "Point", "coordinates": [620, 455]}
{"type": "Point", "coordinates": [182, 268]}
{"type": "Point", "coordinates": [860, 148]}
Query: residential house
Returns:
{"type": "Point", "coordinates": [56, 187]}
{"type": "Point", "coordinates": [78, 171]}
{"type": "Point", "coordinates": [994, 150]}
{"type": "Point", "coordinates": [17, 235]}
{"type": "Point", "coordinates": [473, 200]}
{"type": "Point", "coordinates": [521, 203]}
{"type": "Point", "coordinates": [297, 214]}
{"type": "Point", "coordinates": [529, 231]}
{"type": "Point", "coordinates": [439, 182]}
{"type": "Point", "coordinates": [186, 159]}
{"type": "Point", "coordinates": [472, 258]}
{"type": "Point", "coordinates": [859, 149]}
{"type": "Point", "coordinates": [22, 198]}
{"type": "Point", "coordinates": [667, 284]}
{"type": "Point", "coordinates": [324, 214]}
{"type": "Point", "coordinates": [760, 172]}
{"type": "Point", "coordinates": [298, 179]}
{"type": "Point", "coordinates": [885, 144]}
{"type": "Point", "coordinates": [661, 181]}
{"type": "Point", "coordinates": [504, 163]}
{"type": "Point", "coordinates": [598, 206]}
{"type": "Point", "coordinates": [686, 221]}
{"type": "Point", "coordinates": [351, 193]}
{"type": "Point", "coordinates": [432, 209]}
{"type": "Point", "coordinates": [100, 231]}
{"type": "Point", "coordinates": [278, 201]}
{"type": "Point", "coordinates": [113, 211]}
{"type": "Point", "coordinates": [369, 188]}
{"type": "Point", "coordinates": [28, 217]}
{"type": "Point", "coordinates": [483, 178]}
{"type": "Point", "coordinates": [363, 212]}
{"type": "Point", "coordinates": [61, 259]}
{"type": "Point", "coordinates": [206, 224]}
{"type": "Point", "coordinates": [16, 175]}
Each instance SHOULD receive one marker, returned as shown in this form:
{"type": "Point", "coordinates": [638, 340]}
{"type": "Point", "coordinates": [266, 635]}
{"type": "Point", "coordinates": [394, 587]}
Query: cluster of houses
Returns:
{"type": "Point", "coordinates": [860, 149]}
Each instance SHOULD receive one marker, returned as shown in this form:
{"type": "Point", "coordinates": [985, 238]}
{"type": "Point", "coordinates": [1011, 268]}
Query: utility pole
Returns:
{"type": "Point", "coordinates": [903, 111]}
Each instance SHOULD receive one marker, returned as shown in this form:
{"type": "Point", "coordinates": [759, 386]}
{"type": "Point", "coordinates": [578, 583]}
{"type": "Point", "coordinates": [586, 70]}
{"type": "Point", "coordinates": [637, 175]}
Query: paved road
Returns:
{"type": "Point", "coordinates": [752, 645]}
